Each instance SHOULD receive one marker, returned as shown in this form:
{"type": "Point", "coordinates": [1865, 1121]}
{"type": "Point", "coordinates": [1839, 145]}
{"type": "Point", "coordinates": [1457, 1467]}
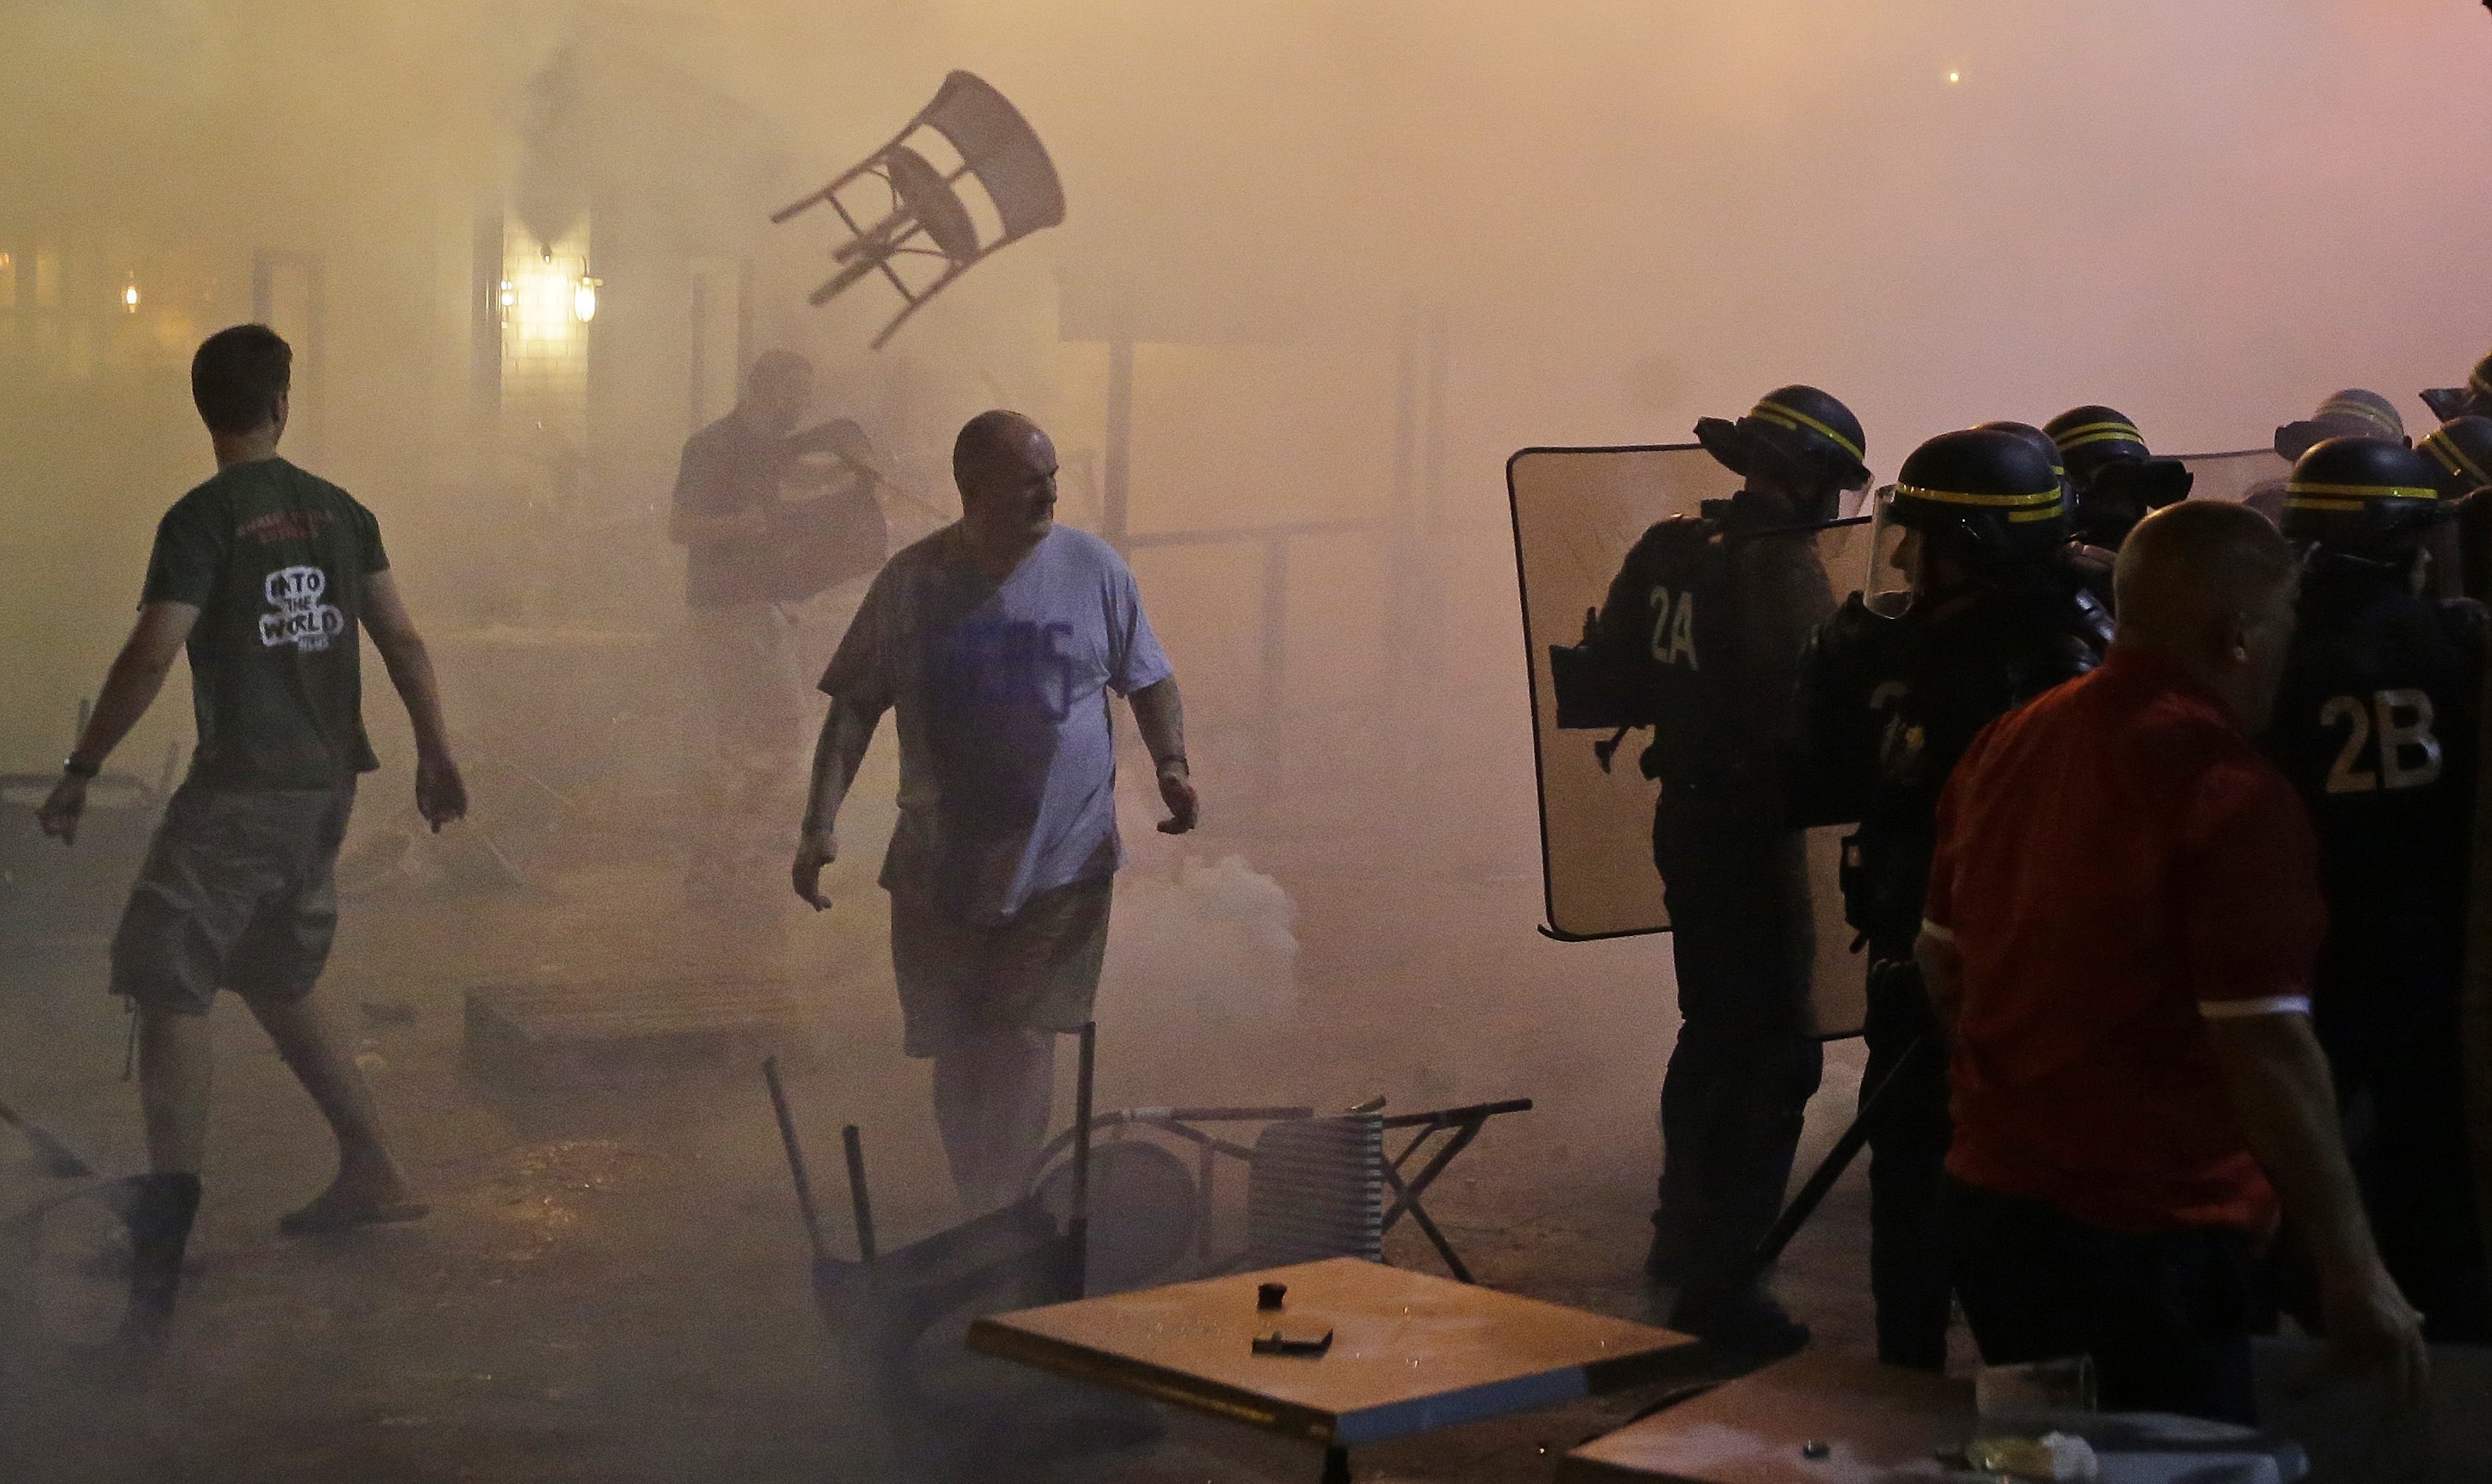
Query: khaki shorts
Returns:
{"type": "Point", "coordinates": [239, 892]}
{"type": "Point", "coordinates": [1039, 972]}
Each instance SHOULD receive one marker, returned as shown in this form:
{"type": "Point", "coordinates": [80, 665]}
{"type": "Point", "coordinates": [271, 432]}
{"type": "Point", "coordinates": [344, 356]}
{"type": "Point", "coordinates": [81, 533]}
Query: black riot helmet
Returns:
{"type": "Point", "coordinates": [2115, 477]}
{"type": "Point", "coordinates": [2475, 397]}
{"type": "Point", "coordinates": [1814, 439]}
{"type": "Point", "coordinates": [2351, 413]}
{"type": "Point", "coordinates": [1984, 497]}
{"type": "Point", "coordinates": [2362, 498]}
{"type": "Point", "coordinates": [2462, 447]}
{"type": "Point", "coordinates": [2034, 438]}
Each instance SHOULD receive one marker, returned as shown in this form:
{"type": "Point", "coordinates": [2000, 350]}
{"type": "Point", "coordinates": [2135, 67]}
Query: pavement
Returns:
{"type": "Point", "coordinates": [613, 1285]}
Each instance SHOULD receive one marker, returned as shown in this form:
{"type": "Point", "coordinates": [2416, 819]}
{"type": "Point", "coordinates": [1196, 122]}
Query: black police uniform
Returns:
{"type": "Point", "coordinates": [2377, 726]}
{"type": "Point", "coordinates": [1890, 706]}
{"type": "Point", "coordinates": [1712, 617]}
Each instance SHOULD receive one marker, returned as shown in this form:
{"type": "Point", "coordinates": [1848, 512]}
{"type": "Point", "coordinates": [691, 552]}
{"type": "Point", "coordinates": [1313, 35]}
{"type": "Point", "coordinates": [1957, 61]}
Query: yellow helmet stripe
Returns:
{"type": "Point", "coordinates": [2100, 433]}
{"type": "Point", "coordinates": [2363, 491]}
{"type": "Point", "coordinates": [2019, 516]}
{"type": "Point", "coordinates": [2455, 459]}
{"type": "Point", "coordinates": [2361, 412]}
{"type": "Point", "coordinates": [2050, 497]}
{"type": "Point", "coordinates": [1792, 418]}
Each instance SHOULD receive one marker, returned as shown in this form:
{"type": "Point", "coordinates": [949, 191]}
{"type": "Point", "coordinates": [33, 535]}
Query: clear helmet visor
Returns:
{"type": "Point", "coordinates": [1886, 587]}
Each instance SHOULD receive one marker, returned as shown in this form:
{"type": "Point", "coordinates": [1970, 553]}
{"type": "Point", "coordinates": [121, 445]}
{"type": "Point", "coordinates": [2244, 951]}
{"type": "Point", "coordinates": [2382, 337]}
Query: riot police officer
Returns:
{"type": "Point", "coordinates": [2091, 566]}
{"type": "Point", "coordinates": [2462, 447]}
{"type": "Point", "coordinates": [1994, 618]}
{"type": "Point", "coordinates": [2351, 413]}
{"type": "Point", "coordinates": [2474, 398]}
{"type": "Point", "coordinates": [2117, 479]}
{"type": "Point", "coordinates": [1709, 613]}
{"type": "Point", "coordinates": [2377, 726]}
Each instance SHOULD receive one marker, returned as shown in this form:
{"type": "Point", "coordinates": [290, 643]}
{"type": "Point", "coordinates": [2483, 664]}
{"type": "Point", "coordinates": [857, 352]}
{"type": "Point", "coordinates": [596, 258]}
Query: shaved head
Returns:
{"type": "Point", "coordinates": [2210, 586]}
{"type": "Point", "coordinates": [2196, 560]}
{"type": "Point", "coordinates": [989, 440]}
{"type": "Point", "coordinates": [1005, 467]}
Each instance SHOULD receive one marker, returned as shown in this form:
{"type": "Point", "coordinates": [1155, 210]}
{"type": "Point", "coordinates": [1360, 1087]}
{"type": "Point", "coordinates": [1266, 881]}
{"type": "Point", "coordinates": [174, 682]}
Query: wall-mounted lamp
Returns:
{"type": "Point", "coordinates": [584, 300]}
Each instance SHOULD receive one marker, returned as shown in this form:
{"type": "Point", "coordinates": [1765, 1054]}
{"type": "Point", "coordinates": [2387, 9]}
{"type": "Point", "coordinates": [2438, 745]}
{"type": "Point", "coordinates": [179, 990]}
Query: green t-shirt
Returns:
{"type": "Point", "coordinates": [274, 561]}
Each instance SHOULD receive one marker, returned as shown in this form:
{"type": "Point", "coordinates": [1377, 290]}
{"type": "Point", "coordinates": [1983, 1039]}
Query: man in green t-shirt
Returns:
{"type": "Point", "coordinates": [269, 576]}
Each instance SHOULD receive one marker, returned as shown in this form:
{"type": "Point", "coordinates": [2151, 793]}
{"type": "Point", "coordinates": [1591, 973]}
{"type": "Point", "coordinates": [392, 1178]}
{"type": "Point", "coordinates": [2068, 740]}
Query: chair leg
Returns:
{"type": "Point", "coordinates": [1407, 1201]}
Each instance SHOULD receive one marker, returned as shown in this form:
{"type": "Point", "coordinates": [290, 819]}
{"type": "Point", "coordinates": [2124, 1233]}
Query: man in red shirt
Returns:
{"type": "Point", "coordinates": [2122, 920]}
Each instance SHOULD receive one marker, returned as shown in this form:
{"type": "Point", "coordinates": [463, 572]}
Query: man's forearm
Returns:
{"type": "Point", "coordinates": [1941, 969]}
{"type": "Point", "coordinates": [1159, 714]}
{"type": "Point", "coordinates": [410, 671]}
{"type": "Point", "coordinates": [838, 754]}
{"type": "Point", "coordinates": [130, 688]}
{"type": "Point", "coordinates": [2277, 1078]}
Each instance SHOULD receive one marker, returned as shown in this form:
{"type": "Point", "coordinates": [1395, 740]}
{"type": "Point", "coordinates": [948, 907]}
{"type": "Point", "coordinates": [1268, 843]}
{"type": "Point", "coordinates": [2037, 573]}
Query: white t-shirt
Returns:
{"type": "Point", "coordinates": [1007, 763]}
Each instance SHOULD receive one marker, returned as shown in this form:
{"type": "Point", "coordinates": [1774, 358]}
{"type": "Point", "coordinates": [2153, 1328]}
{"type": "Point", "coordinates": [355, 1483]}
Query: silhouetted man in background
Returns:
{"type": "Point", "coordinates": [731, 516]}
{"type": "Point", "coordinates": [268, 575]}
{"type": "Point", "coordinates": [998, 640]}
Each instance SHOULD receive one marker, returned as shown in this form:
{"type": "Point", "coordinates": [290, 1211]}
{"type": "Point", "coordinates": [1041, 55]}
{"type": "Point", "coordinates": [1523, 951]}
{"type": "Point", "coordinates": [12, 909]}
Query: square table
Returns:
{"type": "Point", "coordinates": [1409, 1352]}
{"type": "Point", "coordinates": [1872, 1420]}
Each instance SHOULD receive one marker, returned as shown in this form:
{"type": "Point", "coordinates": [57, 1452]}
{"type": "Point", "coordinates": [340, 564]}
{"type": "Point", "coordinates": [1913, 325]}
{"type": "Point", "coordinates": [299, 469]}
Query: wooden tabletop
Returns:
{"type": "Point", "coordinates": [1409, 1352]}
{"type": "Point", "coordinates": [1872, 1420]}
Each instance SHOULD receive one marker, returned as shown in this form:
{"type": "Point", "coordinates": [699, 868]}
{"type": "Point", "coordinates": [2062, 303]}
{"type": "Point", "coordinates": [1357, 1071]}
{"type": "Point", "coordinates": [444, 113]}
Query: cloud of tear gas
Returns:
{"type": "Point", "coordinates": [1621, 215]}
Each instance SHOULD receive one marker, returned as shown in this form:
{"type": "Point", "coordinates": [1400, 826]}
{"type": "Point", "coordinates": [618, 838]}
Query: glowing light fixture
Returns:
{"type": "Point", "coordinates": [509, 297]}
{"type": "Point", "coordinates": [584, 300]}
{"type": "Point", "coordinates": [1953, 76]}
{"type": "Point", "coordinates": [130, 298]}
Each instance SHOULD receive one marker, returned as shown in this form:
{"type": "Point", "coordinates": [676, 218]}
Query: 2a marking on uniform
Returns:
{"type": "Point", "coordinates": [1673, 626]}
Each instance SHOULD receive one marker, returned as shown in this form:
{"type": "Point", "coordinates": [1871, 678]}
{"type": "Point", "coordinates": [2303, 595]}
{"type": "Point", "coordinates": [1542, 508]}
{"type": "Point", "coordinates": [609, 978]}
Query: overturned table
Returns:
{"type": "Point", "coordinates": [1408, 1353]}
{"type": "Point", "coordinates": [1815, 1418]}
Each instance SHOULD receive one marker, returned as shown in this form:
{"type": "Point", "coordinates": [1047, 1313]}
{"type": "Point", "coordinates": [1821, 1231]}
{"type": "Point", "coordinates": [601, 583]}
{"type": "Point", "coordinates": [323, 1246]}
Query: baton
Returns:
{"type": "Point", "coordinates": [1837, 1159]}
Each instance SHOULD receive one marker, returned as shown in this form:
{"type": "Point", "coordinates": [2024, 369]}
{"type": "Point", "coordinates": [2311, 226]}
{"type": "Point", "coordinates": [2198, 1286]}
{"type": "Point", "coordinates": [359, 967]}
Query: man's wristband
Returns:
{"type": "Point", "coordinates": [1162, 764]}
{"type": "Point", "coordinates": [76, 770]}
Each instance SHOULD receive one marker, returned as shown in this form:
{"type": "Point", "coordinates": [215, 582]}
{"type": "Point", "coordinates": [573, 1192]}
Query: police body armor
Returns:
{"type": "Point", "coordinates": [2376, 725]}
{"type": "Point", "coordinates": [1891, 704]}
{"type": "Point", "coordinates": [1677, 642]}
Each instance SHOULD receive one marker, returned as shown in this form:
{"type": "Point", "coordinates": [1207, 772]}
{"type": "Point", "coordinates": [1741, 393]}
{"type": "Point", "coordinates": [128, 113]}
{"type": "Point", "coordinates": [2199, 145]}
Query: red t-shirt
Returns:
{"type": "Point", "coordinates": [2117, 863]}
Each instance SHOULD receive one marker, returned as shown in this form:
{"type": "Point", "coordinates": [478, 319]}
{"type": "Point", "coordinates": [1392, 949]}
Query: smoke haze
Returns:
{"type": "Point", "coordinates": [1362, 251]}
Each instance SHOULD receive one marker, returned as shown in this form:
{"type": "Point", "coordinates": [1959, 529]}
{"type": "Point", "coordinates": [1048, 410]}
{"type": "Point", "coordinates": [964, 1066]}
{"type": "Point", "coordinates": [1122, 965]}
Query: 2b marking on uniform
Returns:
{"type": "Point", "coordinates": [1673, 626]}
{"type": "Point", "coordinates": [2405, 721]}
{"type": "Point", "coordinates": [297, 616]}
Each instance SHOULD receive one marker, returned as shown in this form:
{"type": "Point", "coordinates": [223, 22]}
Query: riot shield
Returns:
{"type": "Point", "coordinates": [2237, 475]}
{"type": "Point", "coordinates": [1576, 512]}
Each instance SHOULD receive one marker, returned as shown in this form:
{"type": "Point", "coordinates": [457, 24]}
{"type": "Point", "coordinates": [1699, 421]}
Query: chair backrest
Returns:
{"type": "Point", "coordinates": [1002, 151]}
{"type": "Point", "coordinates": [1315, 1189]}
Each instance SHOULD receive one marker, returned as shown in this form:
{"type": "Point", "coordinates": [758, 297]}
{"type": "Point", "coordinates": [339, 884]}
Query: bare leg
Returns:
{"type": "Point", "coordinates": [993, 1094]}
{"type": "Point", "coordinates": [368, 1181]}
{"type": "Point", "coordinates": [176, 1069]}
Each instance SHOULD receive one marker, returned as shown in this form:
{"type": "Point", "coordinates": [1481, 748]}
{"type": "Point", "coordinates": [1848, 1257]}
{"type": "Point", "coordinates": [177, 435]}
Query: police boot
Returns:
{"type": "Point", "coordinates": [158, 1210]}
{"type": "Point", "coordinates": [1740, 1320]}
